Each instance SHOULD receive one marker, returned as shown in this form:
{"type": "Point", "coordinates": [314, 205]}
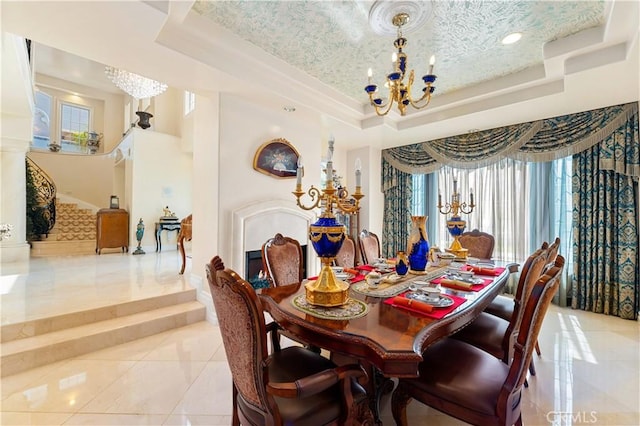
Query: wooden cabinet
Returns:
{"type": "Point", "coordinates": [112, 229]}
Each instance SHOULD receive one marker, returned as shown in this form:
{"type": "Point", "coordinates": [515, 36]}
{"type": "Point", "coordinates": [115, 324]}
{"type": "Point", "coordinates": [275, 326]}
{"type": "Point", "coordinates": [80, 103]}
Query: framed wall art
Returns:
{"type": "Point", "coordinates": [277, 158]}
{"type": "Point", "coordinates": [114, 202]}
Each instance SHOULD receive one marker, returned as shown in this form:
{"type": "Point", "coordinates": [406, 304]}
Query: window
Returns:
{"type": "Point", "coordinates": [520, 203]}
{"type": "Point", "coordinates": [74, 126]}
{"type": "Point", "coordinates": [42, 120]}
{"type": "Point", "coordinates": [60, 124]}
{"type": "Point", "coordinates": [189, 102]}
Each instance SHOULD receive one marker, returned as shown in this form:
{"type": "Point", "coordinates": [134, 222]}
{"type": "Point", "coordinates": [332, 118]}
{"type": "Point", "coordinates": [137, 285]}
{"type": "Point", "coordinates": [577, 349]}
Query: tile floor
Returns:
{"type": "Point", "coordinates": [589, 373]}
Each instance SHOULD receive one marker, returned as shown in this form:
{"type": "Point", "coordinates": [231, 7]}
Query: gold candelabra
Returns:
{"type": "Point", "coordinates": [327, 234]}
{"type": "Point", "coordinates": [455, 224]}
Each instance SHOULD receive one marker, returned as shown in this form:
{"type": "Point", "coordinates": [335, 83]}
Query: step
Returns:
{"type": "Point", "coordinates": [62, 248]}
{"type": "Point", "coordinates": [24, 354]}
{"type": "Point", "coordinates": [74, 222]}
{"type": "Point", "coordinates": [36, 327]}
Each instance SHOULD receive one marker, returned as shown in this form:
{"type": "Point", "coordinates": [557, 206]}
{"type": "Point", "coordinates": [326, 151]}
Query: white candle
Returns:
{"type": "Point", "coordinates": [370, 74]}
{"type": "Point", "coordinates": [358, 172]}
{"type": "Point", "coordinates": [329, 171]}
{"type": "Point", "coordinates": [432, 61]}
{"type": "Point", "coordinates": [455, 186]}
{"type": "Point", "coordinates": [394, 59]}
{"type": "Point", "coordinates": [299, 172]}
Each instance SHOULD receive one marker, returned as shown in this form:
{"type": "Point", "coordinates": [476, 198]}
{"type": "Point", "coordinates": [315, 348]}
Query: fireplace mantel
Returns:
{"type": "Point", "coordinates": [254, 224]}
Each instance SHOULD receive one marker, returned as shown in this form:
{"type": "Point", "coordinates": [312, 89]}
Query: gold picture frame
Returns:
{"type": "Point", "coordinates": [277, 158]}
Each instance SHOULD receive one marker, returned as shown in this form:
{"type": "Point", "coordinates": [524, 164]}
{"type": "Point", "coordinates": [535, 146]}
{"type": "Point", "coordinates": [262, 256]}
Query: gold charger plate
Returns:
{"type": "Point", "coordinates": [352, 309]}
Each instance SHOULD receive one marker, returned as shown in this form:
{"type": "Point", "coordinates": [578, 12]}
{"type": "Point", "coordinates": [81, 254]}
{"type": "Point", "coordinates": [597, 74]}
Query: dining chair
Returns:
{"type": "Point", "coordinates": [493, 334]}
{"type": "Point", "coordinates": [282, 260]}
{"type": "Point", "coordinates": [287, 386]}
{"type": "Point", "coordinates": [480, 244]}
{"type": "Point", "coordinates": [369, 247]}
{"type": "Point", "coordinates": [503, 306]}
{"type": "Point", "coordinates": [472, 385]}
{"type": "Point", "coordinates": [346, 256]}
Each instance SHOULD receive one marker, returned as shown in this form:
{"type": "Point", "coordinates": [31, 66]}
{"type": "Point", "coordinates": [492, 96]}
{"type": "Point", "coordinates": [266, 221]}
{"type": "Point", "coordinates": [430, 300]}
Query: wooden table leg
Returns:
{"type": "Point", "coordinates": [377, 384]}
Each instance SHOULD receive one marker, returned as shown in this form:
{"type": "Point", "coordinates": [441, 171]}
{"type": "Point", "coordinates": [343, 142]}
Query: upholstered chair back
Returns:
{"type": "Point", "coordinates": [479, 244]}
{"type": "Point", "coordinates": [529, 275]}
{"type": "Point", "coordinates": [369, 246]}
{"type": "Point", "coordinates": [243, 331]}
{"type": "Point", "coordinates": [535, 310]}
{"type": "Point", "coordinates": [552, 253]}
{"type": "Point", "coordinates": [470, 384]}
{"type": "Point", "coordinates": [282, 260]}
{"type": "Point", "coordinates": [347, 254]}
{"type": "Point", "coordinates": [289, 386]}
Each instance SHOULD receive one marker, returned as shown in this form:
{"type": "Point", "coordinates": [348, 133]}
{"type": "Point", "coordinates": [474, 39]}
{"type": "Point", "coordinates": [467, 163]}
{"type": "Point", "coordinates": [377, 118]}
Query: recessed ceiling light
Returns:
{"type": "Point", "coordinates": [289, 108]}
{"type": "Point", "coordinates": [512, 38]}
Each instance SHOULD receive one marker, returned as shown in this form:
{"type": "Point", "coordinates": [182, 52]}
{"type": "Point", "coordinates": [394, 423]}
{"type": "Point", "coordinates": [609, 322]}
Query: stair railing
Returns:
{"type": "Point", "coordinates": [45, 192]}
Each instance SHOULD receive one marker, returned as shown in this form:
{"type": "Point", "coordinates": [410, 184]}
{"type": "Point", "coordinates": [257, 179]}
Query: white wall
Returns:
{"type": "Point", "coordinates": [160, 176]}
{"type": "Point", "coordinates": [86, 177]}
{"type": "Point", "coordinates": [371, 206]}
{"type": "Point", "coordinates": [243, 128]}
{"type": "Point", "coordinates": [203, 130]}
{"type": "Point", "coordinates": [167, 112]}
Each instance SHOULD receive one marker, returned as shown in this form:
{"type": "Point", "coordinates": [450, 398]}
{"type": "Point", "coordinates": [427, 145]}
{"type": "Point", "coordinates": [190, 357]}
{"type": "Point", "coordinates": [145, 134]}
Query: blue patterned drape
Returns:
{"type": "Point", "coordinates": [542, 140]}
{"type": "Point", "coordinates": [397, 188]}
{"type": "Point", "coordinates": [606, 274]}
{"type": "Point", "coordinates": [611, 134]}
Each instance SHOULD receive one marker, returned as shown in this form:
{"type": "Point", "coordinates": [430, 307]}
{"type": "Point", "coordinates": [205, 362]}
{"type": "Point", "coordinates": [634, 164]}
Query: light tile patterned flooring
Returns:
{"type": "Point", "coordinates": [589, 372]}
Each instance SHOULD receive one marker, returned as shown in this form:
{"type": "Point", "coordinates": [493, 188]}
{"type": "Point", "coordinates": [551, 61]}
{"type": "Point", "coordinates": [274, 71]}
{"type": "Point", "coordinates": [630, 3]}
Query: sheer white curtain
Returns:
{"type": "Point", "coordinates": [520, 204]}
{"type": "Point", "coordinates": [502, 196]}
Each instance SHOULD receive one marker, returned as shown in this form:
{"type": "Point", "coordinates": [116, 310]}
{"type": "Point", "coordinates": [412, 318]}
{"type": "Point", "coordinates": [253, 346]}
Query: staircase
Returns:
{"type": "Point", "coordinates": [30, 344]}
{"type": "Point", "coordinates": [73, 234]}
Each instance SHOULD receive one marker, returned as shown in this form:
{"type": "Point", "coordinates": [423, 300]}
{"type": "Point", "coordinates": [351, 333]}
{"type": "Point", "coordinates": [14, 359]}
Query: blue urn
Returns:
{"type": "Point", "coordinates": [418, 245]}
{"type": "Point", "coordinates": [402, 263]}
{"type": "Point", "coordinates": [327, 236]}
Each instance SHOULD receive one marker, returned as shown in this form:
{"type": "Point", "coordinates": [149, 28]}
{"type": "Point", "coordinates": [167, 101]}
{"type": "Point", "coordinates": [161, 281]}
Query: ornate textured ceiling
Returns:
{"type": "Point", "coordinates": [314, 56]}
{"type": "Point", "coordinates": [334, 42]}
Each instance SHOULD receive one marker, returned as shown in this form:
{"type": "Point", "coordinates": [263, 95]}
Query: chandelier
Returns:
{"type": "Point", "coordinates": [399, 92]}
{"type": "Point", "coordinates": [135, 85]}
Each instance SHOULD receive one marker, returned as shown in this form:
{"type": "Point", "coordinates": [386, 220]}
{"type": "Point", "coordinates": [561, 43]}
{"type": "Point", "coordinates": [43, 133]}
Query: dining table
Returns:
{"type": "Point", "coordinates": [387, 339]}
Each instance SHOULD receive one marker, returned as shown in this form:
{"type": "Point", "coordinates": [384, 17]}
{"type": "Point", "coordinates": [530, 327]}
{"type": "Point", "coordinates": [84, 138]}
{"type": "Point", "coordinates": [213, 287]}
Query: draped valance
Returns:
{"type": "Point", "coordinates": [541, 140]}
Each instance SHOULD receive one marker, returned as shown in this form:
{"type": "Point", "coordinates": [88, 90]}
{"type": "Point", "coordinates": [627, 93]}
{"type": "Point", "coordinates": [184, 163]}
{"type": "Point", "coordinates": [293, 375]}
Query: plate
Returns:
{"type": "Point", "coordinates": [344, 276]}
{"type": "Point", "coordinates": [458, 277]}
{"type": "Point", "coordinates": [441, 302]}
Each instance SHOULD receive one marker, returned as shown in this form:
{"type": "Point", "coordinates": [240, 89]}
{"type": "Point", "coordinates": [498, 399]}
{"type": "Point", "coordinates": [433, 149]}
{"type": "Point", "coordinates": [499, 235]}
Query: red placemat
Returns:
{"type": "Point", "coordinates": [370, 268]}
{"type": "Point", "coordinates": [474, 287]}
{"type": "Point", "coordinates": [481, 270]}
{"type": "Point", "coordinates": [436, 313]}
{"type": "Point", "coordinates": [365, 268]}
{"type": "Point", "coordinates": [356, 279]}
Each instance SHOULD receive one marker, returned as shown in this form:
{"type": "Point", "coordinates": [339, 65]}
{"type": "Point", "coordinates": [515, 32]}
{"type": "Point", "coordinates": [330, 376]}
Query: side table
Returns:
{"type": "Point", "coordinates": [165, 225]}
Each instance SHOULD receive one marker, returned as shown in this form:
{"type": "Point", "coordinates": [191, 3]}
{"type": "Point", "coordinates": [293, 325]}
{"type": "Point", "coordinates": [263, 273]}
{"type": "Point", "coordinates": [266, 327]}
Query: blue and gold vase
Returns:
{"type": "Point", "coordinates": [327, 236]}
{"type": "Point", "coordinates": [418, 245]}
{"type": "Point", "coordinates": [402, 263]}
